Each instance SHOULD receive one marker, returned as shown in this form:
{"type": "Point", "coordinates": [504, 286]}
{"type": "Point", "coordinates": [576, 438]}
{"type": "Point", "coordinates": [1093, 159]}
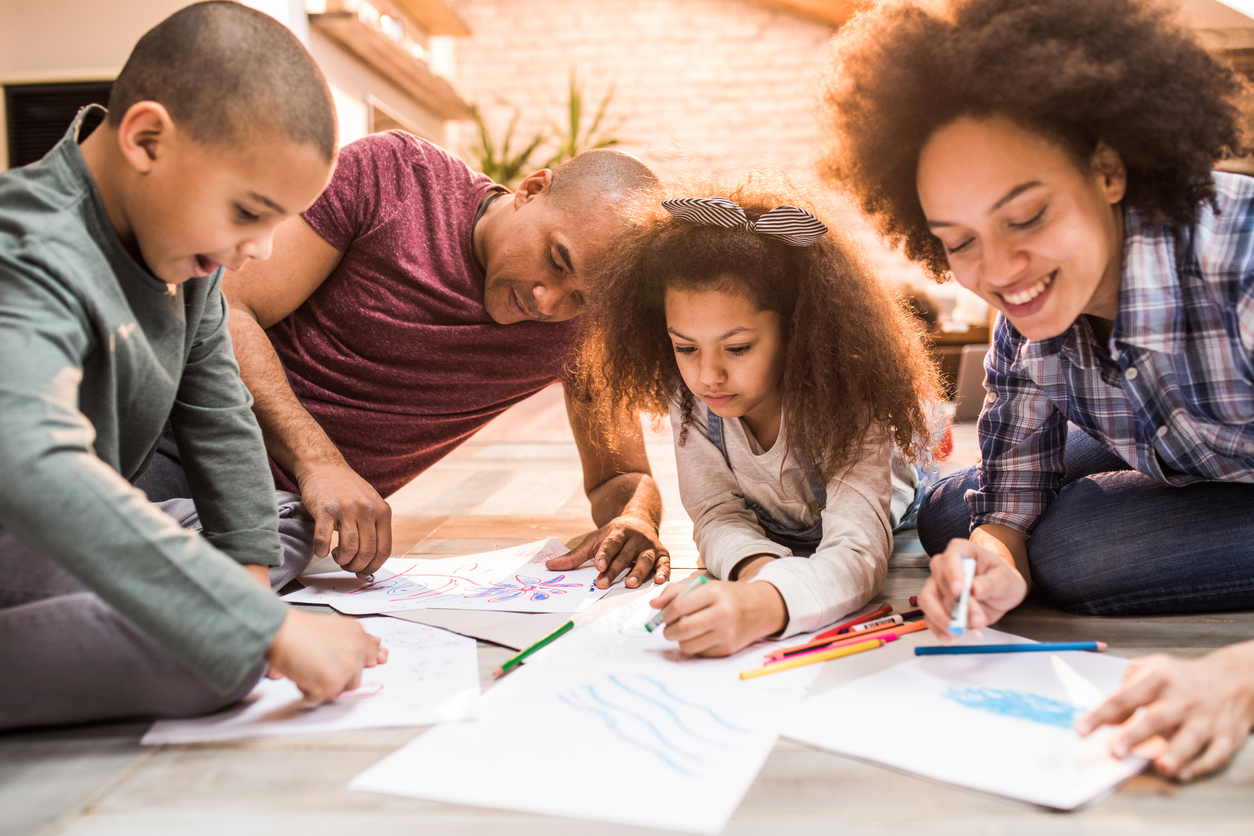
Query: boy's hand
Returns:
{"type": "Point", "coordinates": [340, 500]}
{"type": "Point", "coordinates": [323, 654]}
{"type": "Point", "coordinates": [1204, 708]}
{"type": "Point", "coordinates": [623, 543]}
{"type": "Point", "coordinates": [721, 617]}
{"type": "Point", "coordinates": [997, 589]}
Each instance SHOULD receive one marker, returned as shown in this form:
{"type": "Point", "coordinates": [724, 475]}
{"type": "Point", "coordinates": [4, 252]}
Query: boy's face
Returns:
{"type": "Point", "coordinates": [200, 206]}
{"type": "Point", "coordinates": [1038, 236]}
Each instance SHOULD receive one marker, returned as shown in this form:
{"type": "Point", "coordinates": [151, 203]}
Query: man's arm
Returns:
{"type": "Point", "coordinates": [260, 295]}
{"type": "Point", "coordinates": [625, 501]}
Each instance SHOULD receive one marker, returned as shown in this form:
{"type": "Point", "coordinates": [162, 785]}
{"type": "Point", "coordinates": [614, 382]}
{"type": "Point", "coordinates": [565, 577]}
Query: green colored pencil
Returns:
{"type": "Point", "coordinates": [517, 660]}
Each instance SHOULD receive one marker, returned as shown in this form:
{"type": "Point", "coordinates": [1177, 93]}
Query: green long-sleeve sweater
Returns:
{"type": "Point", "coordinates": [95, 355]}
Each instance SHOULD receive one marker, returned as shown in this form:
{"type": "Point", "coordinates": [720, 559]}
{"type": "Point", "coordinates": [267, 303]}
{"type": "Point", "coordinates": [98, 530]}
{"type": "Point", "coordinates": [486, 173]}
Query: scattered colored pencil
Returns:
{"type": "Point", "coordinates": [844, 626]}
{"type": "Point", "coordinates": [811, 658]}
{"type": "Point", "coordinates": [517, 660]}
{"type": "Point", "coordinates": [813, 643]}
{"type": "Point", "coordinates": [1039, 647]}
{"type": "Point", "coordinates": [896, 631]}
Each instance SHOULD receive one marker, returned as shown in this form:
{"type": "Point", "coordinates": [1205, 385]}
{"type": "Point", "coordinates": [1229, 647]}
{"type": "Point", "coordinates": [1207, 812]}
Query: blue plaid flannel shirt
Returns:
{"type": "Point", "coordinates": [1172, 392]}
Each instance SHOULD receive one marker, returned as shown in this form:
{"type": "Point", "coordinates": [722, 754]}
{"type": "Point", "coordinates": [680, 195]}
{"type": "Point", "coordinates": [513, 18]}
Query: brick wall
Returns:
{"type": "Point", "coordinates": [727, 83]}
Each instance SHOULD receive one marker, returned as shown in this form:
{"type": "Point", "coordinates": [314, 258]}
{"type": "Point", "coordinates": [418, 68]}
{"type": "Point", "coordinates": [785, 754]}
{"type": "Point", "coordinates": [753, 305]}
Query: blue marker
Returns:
{"type": "Point", "coordinates": [958, 621]}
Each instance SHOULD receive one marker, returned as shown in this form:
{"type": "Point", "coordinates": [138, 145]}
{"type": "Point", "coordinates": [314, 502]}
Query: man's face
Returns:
{"type": "Point", "coordinates": [202, 206]}
{"type": "Point", "coordinates": [543, 255]}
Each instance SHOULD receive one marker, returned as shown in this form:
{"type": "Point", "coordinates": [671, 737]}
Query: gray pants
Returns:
{"type": "Point", "coordinates": [67, 657]}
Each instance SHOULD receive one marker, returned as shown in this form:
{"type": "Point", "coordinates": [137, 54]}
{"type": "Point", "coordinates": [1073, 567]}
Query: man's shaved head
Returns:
{"type": "Point", "coordinates": [602, 173]}
{"type": "Point", "coordinates": [222, 70]}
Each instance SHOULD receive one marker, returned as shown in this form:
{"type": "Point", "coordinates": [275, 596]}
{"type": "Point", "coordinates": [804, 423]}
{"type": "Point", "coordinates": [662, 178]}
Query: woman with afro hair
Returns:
{"type": "Point", "coordinates": [1057, 158]}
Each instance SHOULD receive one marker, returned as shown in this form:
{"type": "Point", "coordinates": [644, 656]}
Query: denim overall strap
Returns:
{"type": "Point", "coordinates": [804, 539]}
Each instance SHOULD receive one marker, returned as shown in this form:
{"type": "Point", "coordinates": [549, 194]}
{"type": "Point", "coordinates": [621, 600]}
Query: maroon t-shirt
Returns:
{"type": "Point", "coordinates": [395, 355]}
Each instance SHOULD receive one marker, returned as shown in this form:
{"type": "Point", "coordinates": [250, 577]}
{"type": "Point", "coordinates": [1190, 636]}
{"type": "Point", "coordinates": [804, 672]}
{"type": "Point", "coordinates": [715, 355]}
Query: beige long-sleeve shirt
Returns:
{"type": "Point", "coordinates": [847, 568]}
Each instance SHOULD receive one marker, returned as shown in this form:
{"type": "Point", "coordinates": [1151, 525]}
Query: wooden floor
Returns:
{"type": "Point", "coordinates": [517, 481]}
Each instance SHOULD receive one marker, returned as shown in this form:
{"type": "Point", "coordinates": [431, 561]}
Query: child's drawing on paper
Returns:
{"type": "Point", "coordinates": [644, 713]}
{"type": "Point", "coordinates": [511, 580]}
{"type": "Point", "coordinates": [1031, 707]}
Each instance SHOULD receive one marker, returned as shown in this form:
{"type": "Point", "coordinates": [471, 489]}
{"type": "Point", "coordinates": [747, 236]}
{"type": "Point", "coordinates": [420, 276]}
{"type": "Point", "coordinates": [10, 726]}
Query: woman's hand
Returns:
{"type": "Point", "coordinates": [721, 617]}
{"type": "Point", "coordinates": [1204, 708]}
{"type": "Point", "coordinates": [997, 589]}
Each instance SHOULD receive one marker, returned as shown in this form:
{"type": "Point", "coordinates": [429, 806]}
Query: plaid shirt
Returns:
{"type": "Point", "coordinates": [1172, 392]}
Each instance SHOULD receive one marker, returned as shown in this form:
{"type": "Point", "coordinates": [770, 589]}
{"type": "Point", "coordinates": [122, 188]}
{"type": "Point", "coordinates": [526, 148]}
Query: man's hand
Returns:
{"type": "Point", "coordinates": [1204, 708]}
{"type": "Point", "coordinates": [622, 543]}
{"type": "Point", "coordinates": [323, 654]}
{"type": "Point", "coordinates": [997, 589]}
{"type": "Point", "coordinates": [719, 618]}
{"type": "Point", "coordinates": [340, 500]}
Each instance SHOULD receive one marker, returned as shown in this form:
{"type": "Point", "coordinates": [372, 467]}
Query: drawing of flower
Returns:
{"type": "Point", "coordinates": [520, 585]}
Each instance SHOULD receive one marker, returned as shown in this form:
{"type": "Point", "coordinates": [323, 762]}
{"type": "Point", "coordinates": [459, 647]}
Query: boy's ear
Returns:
{"type": "Point", "coordinates": [144, 134]}
{"type": "Point", "coordinates": [532, 186]}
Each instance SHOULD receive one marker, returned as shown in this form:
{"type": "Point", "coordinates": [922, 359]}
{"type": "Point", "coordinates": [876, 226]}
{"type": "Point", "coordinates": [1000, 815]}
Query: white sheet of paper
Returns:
{"type": "Point", "coordinates": [506, 580]}
{"type": "Point", "coordinates": [609, 723]}
{"type": "Point", "coordinates": [619, 747]}
{"type": "Point", "coordinates": [431, 676]}
{"type": "Point", "coordinates": [1002, 724]}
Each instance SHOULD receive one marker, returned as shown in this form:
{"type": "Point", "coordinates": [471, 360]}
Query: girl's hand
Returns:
{"type": "Point", "coordinates": [1204, 708]}
{"type": "Point", "coordinates": [997, 589]}
{"type": "Point", "coordinates": [721, 617]}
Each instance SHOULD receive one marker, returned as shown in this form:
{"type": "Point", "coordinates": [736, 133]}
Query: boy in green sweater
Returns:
{"type": "Point", "coordinates": [112, 322]}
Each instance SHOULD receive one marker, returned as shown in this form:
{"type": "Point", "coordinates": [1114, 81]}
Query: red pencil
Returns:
{"type": "Point", "coordinates": [840, 628]}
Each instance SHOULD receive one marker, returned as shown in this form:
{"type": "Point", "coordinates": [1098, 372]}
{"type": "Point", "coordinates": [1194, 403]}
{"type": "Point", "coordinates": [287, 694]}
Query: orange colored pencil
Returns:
{"type": "Point", "coordinates": [896, 629]}
{"type": "Point", "coordinates": [845, 625]}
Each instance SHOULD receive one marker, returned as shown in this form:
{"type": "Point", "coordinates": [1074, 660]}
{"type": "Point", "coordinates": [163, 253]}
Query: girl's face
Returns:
{"type": "Point", "coordinates": [1036, 236]}
{"type": "Point", "coordinates": [731, 355]}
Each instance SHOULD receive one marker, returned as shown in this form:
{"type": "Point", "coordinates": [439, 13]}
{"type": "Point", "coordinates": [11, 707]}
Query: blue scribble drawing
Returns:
{"type": "Point", "coordinates": [1032, 707]}
{"type": "Point", "coordinates": [697, 706]}
{"type": "Point", "coordinates": [539, 590]}
{"type": "Point", "coordinates": [661, 725]}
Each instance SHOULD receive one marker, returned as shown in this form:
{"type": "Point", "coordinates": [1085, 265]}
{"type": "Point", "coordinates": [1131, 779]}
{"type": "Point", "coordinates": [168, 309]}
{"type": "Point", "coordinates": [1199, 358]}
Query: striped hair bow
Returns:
{"type": "Point", "coordinates": [795, 227]}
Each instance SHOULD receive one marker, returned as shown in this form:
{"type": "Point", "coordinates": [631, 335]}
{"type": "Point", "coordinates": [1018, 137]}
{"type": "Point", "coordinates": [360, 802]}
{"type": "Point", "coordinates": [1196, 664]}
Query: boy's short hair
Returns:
{"type": "Point", "coordinates": [222, 70]}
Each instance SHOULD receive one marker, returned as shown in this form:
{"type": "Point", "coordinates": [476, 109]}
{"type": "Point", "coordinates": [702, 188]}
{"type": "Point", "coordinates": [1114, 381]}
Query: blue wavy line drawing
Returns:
{"type": "Point", "coordinates": [649, 724]}
{"type": "Point", "coordinates": [698, 706]}
{"type": "Point", "coordinates": [611, 723]}
{"type": "Point", "coordinates": [1031, 707]}
{"type": "Point", "coordinates": [670, 711]}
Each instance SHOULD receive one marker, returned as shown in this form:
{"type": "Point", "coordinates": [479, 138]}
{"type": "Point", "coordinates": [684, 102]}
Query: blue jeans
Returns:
{"type": "Point", "coordinates": [1116, 542]}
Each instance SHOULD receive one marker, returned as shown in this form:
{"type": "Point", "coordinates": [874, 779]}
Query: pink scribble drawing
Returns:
{"type": "Point", "coordinates": [413, 585]}
{"type": "Point", "coordinates": [537, 589]}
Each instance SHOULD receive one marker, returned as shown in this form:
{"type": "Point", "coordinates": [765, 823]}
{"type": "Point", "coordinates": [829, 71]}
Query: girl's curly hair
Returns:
{"type": "Point", "coordinates": [1080, 71]}
{"type": "Point", "coordinates": [853, 357]}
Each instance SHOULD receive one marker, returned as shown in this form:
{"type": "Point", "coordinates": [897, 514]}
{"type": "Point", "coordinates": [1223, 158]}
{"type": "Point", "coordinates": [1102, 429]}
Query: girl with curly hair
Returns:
{"type": "Point", "coordinates": [792, 384]}
{"type": "Point", "coordinates": [1056, 157]}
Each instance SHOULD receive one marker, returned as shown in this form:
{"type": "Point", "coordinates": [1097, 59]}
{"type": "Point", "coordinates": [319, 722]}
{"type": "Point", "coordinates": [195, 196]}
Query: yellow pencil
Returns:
{"type": "Point", "coordinates": [811, 658]}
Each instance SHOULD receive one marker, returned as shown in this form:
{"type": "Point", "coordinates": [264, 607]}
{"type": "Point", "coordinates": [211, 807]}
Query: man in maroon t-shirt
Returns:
{"type": "Point", "coordinates": [415, 301]}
